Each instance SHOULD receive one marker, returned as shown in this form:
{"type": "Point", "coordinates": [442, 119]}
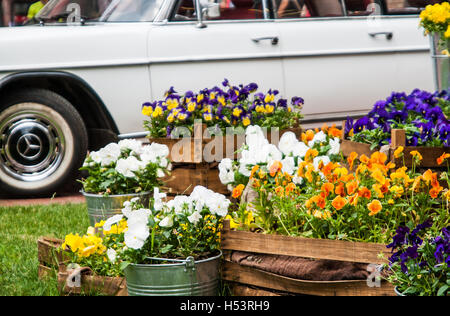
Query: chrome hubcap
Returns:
{"type": "Point", "coordinates": [31, 146]}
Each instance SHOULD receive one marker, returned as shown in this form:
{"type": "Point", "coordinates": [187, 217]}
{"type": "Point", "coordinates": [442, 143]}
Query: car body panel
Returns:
{"type": "Point", "coordinates": [194, 58]}
{"type": "Point", "coordinates": [341, 69]}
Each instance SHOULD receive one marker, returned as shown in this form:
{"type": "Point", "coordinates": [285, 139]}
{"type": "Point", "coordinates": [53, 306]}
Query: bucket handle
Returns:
{"type": "Point", "coordinates": [189, 261]}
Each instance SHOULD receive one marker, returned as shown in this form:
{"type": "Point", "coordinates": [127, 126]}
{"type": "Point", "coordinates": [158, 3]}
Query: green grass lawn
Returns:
{"type": "Point", "coordinates": [20, 228]}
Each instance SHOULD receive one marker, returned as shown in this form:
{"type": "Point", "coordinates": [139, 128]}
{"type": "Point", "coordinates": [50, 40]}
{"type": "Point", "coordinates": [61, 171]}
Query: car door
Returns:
{"type": "Point", "coordinates": [344, 56]}
{"type": "Point", "coordinates": [237, 42]}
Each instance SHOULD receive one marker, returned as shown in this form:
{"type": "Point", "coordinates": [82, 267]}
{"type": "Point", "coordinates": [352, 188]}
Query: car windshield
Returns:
{"type": "Point", "coordinates": [63, 11]}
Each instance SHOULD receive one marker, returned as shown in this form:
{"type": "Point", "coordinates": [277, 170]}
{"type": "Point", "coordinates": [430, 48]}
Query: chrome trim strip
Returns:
{"type": "Point", "coordinates": [134, 135]}
{"type": "Point", "coordinates": [155, 61]}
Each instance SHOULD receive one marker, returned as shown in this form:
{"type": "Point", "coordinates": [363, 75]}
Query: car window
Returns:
{"type": "Point", "coordinates": [361, 7]}
{"type": "Point", "coordinates": [394, 7]}
{"type": "Point", "coordinates": [219, 10]}
{"type": "Point", "coordinates": [60, 11]}
{"type": "Point", "coordinates": [291, 9]}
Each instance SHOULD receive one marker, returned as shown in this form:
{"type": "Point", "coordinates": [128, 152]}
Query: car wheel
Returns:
{"type": "Point", "coordinates": [43, 142]}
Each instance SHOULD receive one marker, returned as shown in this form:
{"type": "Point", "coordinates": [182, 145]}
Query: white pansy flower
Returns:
{"type": "Point", "coordinates": [112, 255]}
{"type": "Point", "coordinates": [335, 144]}
{"type": "Point", "coordinates": [325, 160]}
{"type": "Point", "coordinates": [288, 165]}
{"type": "Point", "coordinates": [132, 144]}
{"type": "Point", "coordinates": [96, 157]}
{"type": "Point", "coordinates": [158, 204]}
{"type": "Point", "coordinates": [287, 143]}
{"type": "Point", "coordinates": [300, 149]}
{"type": "Point", "coordinates": [109, 154]}
{"type": "Point", "coordinates": [112, 221]}
{"type": "Point", "coordinates": [195, 218]}
{"type": "Point", "coordinates": [273, 152]}
{"type": "Point", "coordinates": [128, 166]}
{"type": "Point", "coordinates": [160, 173]}
{"type": "Point", "coordinates": [226, 174]}
{"type": "Point", "coordinates": [160, 150]}
{"type": "Point", "coordinates": [297, 180]}
{"type": "Point", "coordinates": [133, 241]}
{"type": "Point", "coordinates": [166, 222]}
{"type": "Point", "coordinates": [319, 137]}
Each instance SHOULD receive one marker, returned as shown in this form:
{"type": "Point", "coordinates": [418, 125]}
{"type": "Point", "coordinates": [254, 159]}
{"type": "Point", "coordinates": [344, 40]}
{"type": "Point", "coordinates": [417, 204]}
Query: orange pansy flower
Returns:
{"type": "Point", "coordinates": [320, 201]}
{"type": "Point", "coordinates": [364, 192]}
{"type": "Point", "coordinates": [290, 188]}
{"type": "Point", "coordinates": [351, 159]}
{"type": "Point", "coordinates": [441, 159]}
{"type": "Point", "coordinates": [335, 132]}
{"type": "Point", "coordinates": [275, 167]}
{"type": "Point", "coordinates": [339, 202]}
{"type": "Point", "coordinates": [364, 159]}
{"type": "Point", "coordinates": [339, 190]}
{"type": "Point", "coordinates": [311, 154]}
{"type": "Point", "coordinates": [279, 191]}
{"type": "Point", "coordinates": [327, 188]}
{"type": "Point", "coordinates": [374, 207]}
{"type": "Point", "coordinates": [351, 187]}
{"type": "Point", "coordinates": [237, 191]}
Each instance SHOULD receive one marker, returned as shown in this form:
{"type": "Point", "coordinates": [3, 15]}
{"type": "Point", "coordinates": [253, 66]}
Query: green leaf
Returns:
{"type": "Point", "coordinates": [166, 248]}
{"type": "Point", "coordinates": [124, 265]}
{"type": "Point", "coordinates": [443, 290]}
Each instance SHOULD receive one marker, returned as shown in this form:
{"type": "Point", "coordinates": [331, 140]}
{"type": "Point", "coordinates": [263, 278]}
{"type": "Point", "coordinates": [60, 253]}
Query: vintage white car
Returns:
{"type": "Point", "coordinates": [76, 77]}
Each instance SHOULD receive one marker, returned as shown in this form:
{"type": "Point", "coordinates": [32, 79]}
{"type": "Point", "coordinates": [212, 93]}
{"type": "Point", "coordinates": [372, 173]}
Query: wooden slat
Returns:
{"type": "Point", "coordinates": [302, 247]}
{"type": "Point", "coordinates": [348, 146]}
{"type": "Point", "coordinates": [184, 178]}
{"type": "Point", "coordinates": [233, 272]}
{"type": "Point", "coordinates": [242, 290]}
{"type": "Point", "coordinates": [429, 154]}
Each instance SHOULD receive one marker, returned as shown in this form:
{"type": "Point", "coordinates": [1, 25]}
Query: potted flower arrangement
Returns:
{"type": "Point", "coordinates": [417, 121]}
{"type": "Point", "coordinates": [172, 248]}
{"type": "Point", "coordinates": [257, 154]}
{"type": "Point", "coordinates": [420, 114]}
{"type": "Point", "coordinates": [435, 19]}
{"type": "Point", "coordinates": [119, 172]}
{"type": "Point", "coordinates": [230, 107]}
{"type": "Point", "coordinates": [420, 264]}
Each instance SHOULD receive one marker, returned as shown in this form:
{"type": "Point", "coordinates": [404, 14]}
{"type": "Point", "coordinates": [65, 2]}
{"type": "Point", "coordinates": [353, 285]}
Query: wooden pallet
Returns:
{"type": "Point", "coordinates": [232, 240]}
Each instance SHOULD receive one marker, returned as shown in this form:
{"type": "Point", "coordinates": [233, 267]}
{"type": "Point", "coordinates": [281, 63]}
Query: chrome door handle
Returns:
{"type": "Point", "coordinates": [389, 35]}
{"type": "Point", "coordinates": [274, 39]}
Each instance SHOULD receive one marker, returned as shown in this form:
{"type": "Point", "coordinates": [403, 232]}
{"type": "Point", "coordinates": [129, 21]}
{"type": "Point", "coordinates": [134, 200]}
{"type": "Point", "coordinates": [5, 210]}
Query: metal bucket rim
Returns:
{"type": "Point", "coordinates": [114, 195]}
{"type": "Point", "coordinates": [165, 265]}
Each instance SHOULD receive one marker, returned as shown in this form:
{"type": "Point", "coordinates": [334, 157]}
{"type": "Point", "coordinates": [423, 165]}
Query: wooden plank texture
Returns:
{"type": "Point", "coordinates": [233, 272]}
{"type": "Point", "coordinates": [185, 177]}
{"type": "Point", "coordinates": [303, 247]}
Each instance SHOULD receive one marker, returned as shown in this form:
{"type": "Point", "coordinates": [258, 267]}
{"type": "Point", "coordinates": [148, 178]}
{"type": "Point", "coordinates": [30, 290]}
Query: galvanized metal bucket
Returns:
{"type": "Point", "coordinates": [181, 278]}
{"type": "Point", "coordinates": [441, 62]}
{"type": "Point", "coordinates": [103, 207]}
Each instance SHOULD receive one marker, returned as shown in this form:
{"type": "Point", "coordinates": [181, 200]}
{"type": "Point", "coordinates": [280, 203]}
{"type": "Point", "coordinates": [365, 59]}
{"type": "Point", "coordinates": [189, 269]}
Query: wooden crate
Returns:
{"type": "Point", "coordinates": [192, 167]}
{"type": "Point", "coordinates": [49, 256]}
{"type": "Point", "coordinates": [209, 149]}
{"type": "Point", "coordinates": [91, 284]}
{"type": "Point", "coordinates": [306, 248]}
{"type": "Point", "coordinates": [398, 138]}
{"type": "Point", "coordinates": [53, 262]}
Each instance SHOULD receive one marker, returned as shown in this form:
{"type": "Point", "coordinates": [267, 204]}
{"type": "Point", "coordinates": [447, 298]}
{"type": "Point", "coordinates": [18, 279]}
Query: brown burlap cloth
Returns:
{"type": "Point", "coordinates": [302, 268]}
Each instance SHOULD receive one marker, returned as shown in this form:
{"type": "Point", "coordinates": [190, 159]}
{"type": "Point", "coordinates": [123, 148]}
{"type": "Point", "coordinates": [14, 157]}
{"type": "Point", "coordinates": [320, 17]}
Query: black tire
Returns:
{"type": "Point", "coordinates": [43, 142]}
